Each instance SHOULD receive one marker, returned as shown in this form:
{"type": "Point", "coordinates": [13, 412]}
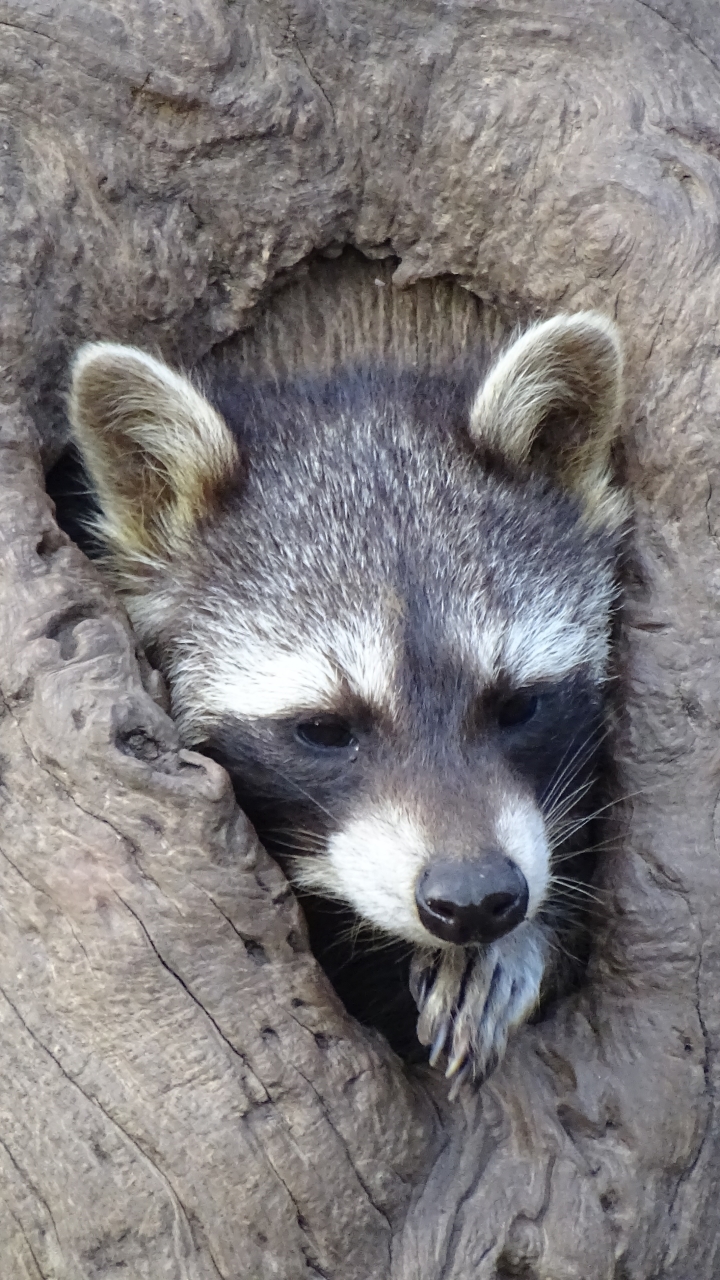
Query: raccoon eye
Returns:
{"type": "Point", "coordinates": [516, 709]}
{"type": "Point", "coordinates": [328, 732]}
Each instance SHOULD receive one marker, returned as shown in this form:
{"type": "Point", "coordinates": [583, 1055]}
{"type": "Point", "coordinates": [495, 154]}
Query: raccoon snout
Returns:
{"type": "Point", "coordinates": [464, 902]}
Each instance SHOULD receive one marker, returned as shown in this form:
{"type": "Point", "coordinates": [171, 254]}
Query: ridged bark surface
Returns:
{"type": "Point", "coordinates": [181, 1094]}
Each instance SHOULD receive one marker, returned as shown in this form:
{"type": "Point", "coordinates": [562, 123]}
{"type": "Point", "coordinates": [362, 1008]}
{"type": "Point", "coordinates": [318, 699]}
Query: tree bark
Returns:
{"type": "Point", "coordinates": [182, 1094]}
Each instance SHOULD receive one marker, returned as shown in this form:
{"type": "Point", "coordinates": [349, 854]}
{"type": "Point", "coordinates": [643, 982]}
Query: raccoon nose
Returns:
{"type": "Point", "coordinates": [475, 901]}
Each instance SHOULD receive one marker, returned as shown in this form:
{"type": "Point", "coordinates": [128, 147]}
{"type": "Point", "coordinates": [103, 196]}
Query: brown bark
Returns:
{"type": "Point", "coordinates": [182, 1095]}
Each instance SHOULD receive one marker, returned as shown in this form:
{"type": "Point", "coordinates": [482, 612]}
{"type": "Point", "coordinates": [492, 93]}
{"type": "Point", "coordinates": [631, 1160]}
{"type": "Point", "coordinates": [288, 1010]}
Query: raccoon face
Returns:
{"type": "Point", "coordinates": [383, 602]}
{"type": "Point", "coordinates": [433, 820]}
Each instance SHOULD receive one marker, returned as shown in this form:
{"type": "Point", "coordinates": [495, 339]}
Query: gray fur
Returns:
{"type": "Point", "coordinates": [367, 558]}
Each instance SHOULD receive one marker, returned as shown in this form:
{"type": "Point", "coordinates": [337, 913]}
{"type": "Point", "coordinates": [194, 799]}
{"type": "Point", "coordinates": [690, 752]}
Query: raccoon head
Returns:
{"type": "Point", "coordinates": [383, 601]}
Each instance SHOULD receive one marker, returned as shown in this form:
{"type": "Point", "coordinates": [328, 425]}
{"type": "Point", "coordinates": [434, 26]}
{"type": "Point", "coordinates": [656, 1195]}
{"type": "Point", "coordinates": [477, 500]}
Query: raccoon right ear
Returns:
{"type": "Point", "coordinates": [156, 450]}
{"type": "Point", "coordinates": [553, 400]}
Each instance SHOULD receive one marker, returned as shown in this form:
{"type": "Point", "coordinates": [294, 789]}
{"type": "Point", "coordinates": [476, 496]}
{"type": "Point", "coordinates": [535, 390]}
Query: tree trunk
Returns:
{"type": "Point", "coordinates": [182, 1094]}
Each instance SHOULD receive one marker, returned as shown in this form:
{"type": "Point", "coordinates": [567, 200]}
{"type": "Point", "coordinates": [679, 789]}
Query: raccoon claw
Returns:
{"type": "Point", "coordinates": [423, 973]}
{"type": "Point", "coordinates": [470, 1001]}
{"type": "Point", "coordinates": [459, 1081]}
{"type": "Point", "coordinates": [440, 1041]}
{"type": "Point", "coordinates": [458, 1061]}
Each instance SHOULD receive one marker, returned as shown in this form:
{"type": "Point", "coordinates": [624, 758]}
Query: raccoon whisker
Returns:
{"type": "Point", "coordinates": [576, 894]}
{"type": "Point", "coordinates": [566, 804]}
{"type": "Point", "coordinates": [295, 851]}
{"type": "Point", "coordinates": [298, 860]}
{"type": "Point", "coordinates": [580, 905]}
{"type": "Point", "coordinates": [74, 493]}
{"type": "Point", "coordinates": [289, 829]}
{"type": "Point", "coordinates": [563, 916]}
{"type": "Point", "coordinates": [555, 945]}
{"type": "Point", "coordinates": [558, 793]}
{"type": "Point", "coordinates": [579, 885]}
{"type": "Point", "coordinates": [562, 793]}
{"type": "Point", "coordinates": [568, 769]}
{"type": "Point", "coordinates": [274, 842]}
{"type": "Point", "coordinates": [374, 943]}
{"type": "Point", "coordinates": [374, 938]}
{"type": "Point", "coordinates": [547, 795]}
{"type": "Point", "coordinates": [311, 837]}
{"type": "Point", "coordinates": [566, 800]}
{"type": "Point", "coordinates": [301, 855]}
{"type": "Point", "coordinates": [573, 925]}
{"type": "Point", "coordinates": [574, 827]}
{"type": "Point", "coordinates": [301, 845]}
{"type": "Point", "coordinates": [295, 831]}
{"type": "Point", "coordinates": [348, 938]}
{"type": "Point", "coordinates": [565, 823]}
{"type": "Point", "coordinates": [563, 777]}
{"type": "Point", "coordinates": [566, 830]}
{"type": "Point", "coordinates": [602, 846]}
{"type": "Point", "coordinates": [565, 835]}
{"type": "Point", "coordinates": [561, 833]}
{"type": "Point", "coordinates": [359, 926]}
{"type": "Point", "coordinates": [303, 792]}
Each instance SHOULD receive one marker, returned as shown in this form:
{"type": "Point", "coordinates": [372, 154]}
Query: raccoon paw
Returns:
{"type": "Point", "coordinates": [469, 1000]}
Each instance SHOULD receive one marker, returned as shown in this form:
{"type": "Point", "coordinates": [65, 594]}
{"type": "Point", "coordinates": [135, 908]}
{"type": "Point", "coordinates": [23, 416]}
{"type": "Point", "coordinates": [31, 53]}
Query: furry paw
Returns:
{"type": "Point", "coordinates": [470, 999]}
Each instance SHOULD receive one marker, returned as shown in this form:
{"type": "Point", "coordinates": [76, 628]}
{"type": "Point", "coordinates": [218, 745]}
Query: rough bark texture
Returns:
{"type": "Point", "coordinates": [182, 1095]}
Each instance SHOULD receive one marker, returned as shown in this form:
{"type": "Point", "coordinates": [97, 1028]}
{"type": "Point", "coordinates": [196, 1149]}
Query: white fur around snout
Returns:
{"type": "Point", "coordinates": [520, 832]}
{"type": "Point", "coordinates": [373, 864]}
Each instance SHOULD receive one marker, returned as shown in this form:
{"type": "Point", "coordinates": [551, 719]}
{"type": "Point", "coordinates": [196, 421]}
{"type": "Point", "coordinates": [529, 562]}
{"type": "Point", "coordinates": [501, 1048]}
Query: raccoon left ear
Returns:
{"type": "Point", "coordinates": [553, 399]}
{"type": "Point", "coordinates": [156, 450]}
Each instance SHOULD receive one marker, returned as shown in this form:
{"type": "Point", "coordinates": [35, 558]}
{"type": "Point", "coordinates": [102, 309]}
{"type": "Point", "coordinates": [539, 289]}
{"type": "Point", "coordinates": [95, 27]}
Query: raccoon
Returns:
{"type": "Point", "coordinates": [383, 599]}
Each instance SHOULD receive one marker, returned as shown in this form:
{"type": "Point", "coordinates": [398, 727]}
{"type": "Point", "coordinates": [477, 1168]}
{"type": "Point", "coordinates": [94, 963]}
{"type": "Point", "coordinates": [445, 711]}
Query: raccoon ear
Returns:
{"type": "Point", "coordinates": [553, 399]}
{"type": "Point", "coordinates": [157, 452]}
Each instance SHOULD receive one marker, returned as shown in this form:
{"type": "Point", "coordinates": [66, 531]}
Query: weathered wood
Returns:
{"type": "Point", "coordinates": [181, 1093]}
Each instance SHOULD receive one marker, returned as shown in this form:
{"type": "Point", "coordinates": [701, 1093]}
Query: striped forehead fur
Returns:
{"type": "Point", "coordinates": [536, 636]}
{"type": "Point", "coordinates": [250, 667]}
{"type": "Point", "coordinates": [359, 519]}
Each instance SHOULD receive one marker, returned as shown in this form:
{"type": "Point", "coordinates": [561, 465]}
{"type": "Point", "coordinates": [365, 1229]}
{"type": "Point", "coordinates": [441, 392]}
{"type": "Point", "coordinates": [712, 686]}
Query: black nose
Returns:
{"type": "Point", "coordinates": [476, 901]}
